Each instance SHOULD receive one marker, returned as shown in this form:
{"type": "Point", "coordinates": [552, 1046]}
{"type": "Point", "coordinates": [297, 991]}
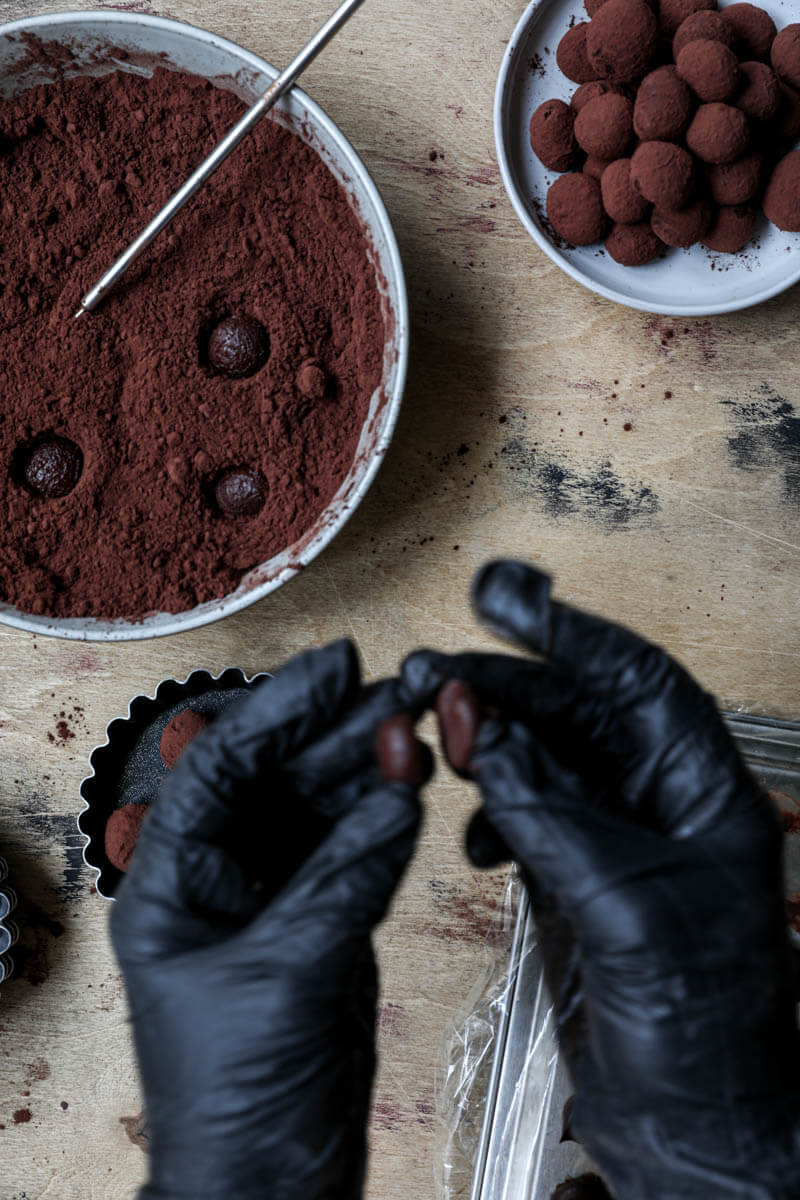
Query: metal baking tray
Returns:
{"type": "Point", "coordinates": [520, 1154]}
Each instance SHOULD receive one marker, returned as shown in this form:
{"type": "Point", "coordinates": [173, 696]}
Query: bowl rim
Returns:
{"type": "Point", "coordinates": [506, 77]}
{"type": "Point", "coordinates": [119, 629]}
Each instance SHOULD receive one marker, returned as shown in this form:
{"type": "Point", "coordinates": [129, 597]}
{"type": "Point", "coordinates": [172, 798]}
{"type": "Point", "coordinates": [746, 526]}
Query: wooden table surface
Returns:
{"type": "Point", "coordinates": [652, 464]}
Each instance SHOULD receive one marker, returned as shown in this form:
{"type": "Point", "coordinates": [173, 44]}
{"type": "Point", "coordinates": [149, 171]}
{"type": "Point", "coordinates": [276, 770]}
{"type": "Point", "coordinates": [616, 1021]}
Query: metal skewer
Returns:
{"type": "Point", "coordinates": [277, 89]}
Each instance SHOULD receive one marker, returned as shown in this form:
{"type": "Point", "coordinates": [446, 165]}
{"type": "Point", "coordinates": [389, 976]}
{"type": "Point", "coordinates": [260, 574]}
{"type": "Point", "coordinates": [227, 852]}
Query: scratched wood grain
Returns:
{"type": "Point", "coordinates": [653, 465]}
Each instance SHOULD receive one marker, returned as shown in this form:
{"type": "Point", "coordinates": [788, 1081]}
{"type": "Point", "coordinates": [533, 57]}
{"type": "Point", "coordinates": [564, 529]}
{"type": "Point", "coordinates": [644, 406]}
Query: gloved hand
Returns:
{"type": "Point", "coordinates": [243, 930]}
{"type": "Point", "coordinates": [608, 775]}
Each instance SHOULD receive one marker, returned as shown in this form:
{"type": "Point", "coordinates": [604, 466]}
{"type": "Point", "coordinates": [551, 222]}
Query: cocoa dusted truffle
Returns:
{"type": "Point", "coordinates": [732, 229]}
{"type": "Point", "coordinates": [759, 95]}
{"type": "Point", "coordinates": [53, 467]}
{"type": "Point", "coordinates": [664, 106]}
{"type": "Point", "coordinates": [755, 29]}
{"type": "Point", "coordinates": [572, 57]}
{"type": "Point", "coordinates": [718, 133]}
{"type": "Point", "coordinates": [787, 124]}
{"type": "Point", "coordinates": [604, 126]}
{"type": "Point", "coordinates": [178, 733]}
{"type": "Point", "coordinates": [122, 833]}
{"type": "Point", "coordinates": [595, 167]}
{"type": "Point", "coordinates": [621, 200]}
{"type": "Point", "coordinates": [685, 226]}
{"type": "Point", "coordinates": [240, 492]}
{"type": "Point", "coordinates": [785, 55]}
{"type": "Point", "coordinates": [238, 347]}
{"type": "Point", "coordinates": [672, 13]}
{"type": "Point", "coordinates": [711, 70]}
{"type": "Point", "coordinates": [575, 207]}
{"type": "Point", "coordinates": [663, 173]}
{"type": "Point", "coordinates": [738, 182]}
{"type": "Point", "coordinates": [552, 135]}
{"type": "Point", "coordinates": [633, 245]}
{"type": "Point", "coordinates": [593, 6]}
{"type": "Point", "coordinates": [782, 197]}
{"type": "Point", "coordinates": [622, 40]}
{"type": "Point", "coordinates": [590, 91]}
{"type": "Point", "coordinates": [312, 381]}
{"type": "Point", "coordinates": [703, 25]}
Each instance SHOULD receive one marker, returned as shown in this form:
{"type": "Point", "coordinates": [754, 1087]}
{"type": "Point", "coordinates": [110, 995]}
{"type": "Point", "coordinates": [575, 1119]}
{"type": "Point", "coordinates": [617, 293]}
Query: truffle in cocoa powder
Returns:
{"type": "Point", "coordinates": [312, 381]}
{"type": "Point", "coordinates": [571, 55]}
{"type": "Point", "coordinates": [178, 733]}
{"type": "Point", "coordinates": [621, 200]}
{"type": "Point", "coordinates": [711, 70]}
{"type": "Point", "coordinates": [633, 245]}
{"type": "Point", "coordinates": [731, 230]}
{"type": "Point", "coordinates": [622, 39]}
{"type": "Point", "coordinates": [663, 107]}
{"type": "Point", "coordinates": [604, 126]}
{"type": "Point", "coordinates": [240, 492]}
{"type": "Point", "coordinates": [122, 833]}
{"type": "Point", "coordinates": [754, 29]}
{"type": "Point", "coordinates": [663, 173]}
{"type": "Point", "coordinates": [684, 226]}
{"type": "Point", "coordinates": [707, 25]}
{"type": "Point", "coordinates": [785, 54]}
{"type": "Point", "coordinates": [759, 95]}
{"type": "Point", "coordinates": [718, 133]}
{"type": "Point", "coordinates": [738, 182]}
{"type": "Point", "coordinates": [575, 207]}
{"type": "Point", "coordinates": [672, 13]}
{"type": "Point", "coordinates": [53, 467]}
{"type": "Point", "coordinates": [552, 135]}
{"type": "Point", "coordinates": [782, 197]}
{"type": "Point", "coordinates": [238, 347]}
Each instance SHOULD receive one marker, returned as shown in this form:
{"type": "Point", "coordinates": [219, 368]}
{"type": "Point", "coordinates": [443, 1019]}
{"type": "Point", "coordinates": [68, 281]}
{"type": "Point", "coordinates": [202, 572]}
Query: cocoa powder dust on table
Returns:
{"type": "Point", "coordinates": [84, 163]}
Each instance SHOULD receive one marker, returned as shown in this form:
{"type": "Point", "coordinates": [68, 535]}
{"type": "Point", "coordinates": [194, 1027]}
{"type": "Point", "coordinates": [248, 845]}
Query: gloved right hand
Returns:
{"type": "Point", "coordinates": [610, 778]}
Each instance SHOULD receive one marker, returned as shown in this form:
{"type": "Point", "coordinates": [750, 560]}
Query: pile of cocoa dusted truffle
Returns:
{"type": "Point", "coordinates": [681, 127]}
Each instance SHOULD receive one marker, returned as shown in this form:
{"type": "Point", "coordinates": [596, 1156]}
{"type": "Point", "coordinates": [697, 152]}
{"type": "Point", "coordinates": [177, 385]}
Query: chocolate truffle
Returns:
{"type": "Point", "coordinates": [572, 57]}
{"type": "Point", "coordinates": [633, 245]}
{"type": "Point", "coordinates": [732, 229]}
{"type": "Point", "coordinates": [312, 381]}
{"type": "Point", "coordinates": [711, 70]}
{"type": "Point", "coordinates": [402, 757]}
{"type": "Point", "coordinates": [178, 733]}
{"type": "Point", "coordinates": [53, 467]}
{"type": "Point", "coordinates": [459, 716]}
{"type": "Point", "coordinates": [704, 25]}
{"type": "Point", "coordinates": [663, 173]}
{"type": "Point", "coordinates": [718, 133]}
{"type": "Point", "coordinates": [575, 207]}
{"type": "Point", "coordinates": [604, 126]}
{"type": "Point", "coordinates": [685, 226]}
{"type": "Point", "coordinates": [621, 200]}
{"type": "Point", "coordinates": [240, 492]}
{"type": "Point", "coordinates": [672, 13]}
{"type": "Point", "coordinates": [122, 833]}
{"type": "Point", "coordinates": [759, 95]}
{"type": "Point", "coordinates": [664, 106]}
{"type": "Point", "coordinates": [582, 1187]}
{"type": "Point", "coordinates": [622, 40]}
{"type": "Point", "coordinates": [238, 347]}
{"type": "Point", "coordinates": [782, 197]}
{"type": "Point", "coordinates": [755, 29]}
{"type": "Point", "coordinates": [738, 182]}
{"type": "Point", "coordinates": [595, 167]}
{"type": "Point", "coordinates": [589, 91]}
{"type": "Point", "coordinates": [785, 55]}
{"type": "Point", "coordinates": [787, 124]}
{"type": "Point", "coordinates": [552, 135]}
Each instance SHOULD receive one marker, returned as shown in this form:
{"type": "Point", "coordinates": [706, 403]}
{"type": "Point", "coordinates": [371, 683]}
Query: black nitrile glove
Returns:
{"type": "Point", "coordinates": [244, 932]}
{"type": "Point", "coordinates": [609, 776]}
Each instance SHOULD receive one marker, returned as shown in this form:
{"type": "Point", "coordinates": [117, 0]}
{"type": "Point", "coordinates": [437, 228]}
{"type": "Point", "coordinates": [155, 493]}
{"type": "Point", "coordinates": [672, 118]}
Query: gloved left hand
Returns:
{"type": "Point", "coordinates": [243, 930]}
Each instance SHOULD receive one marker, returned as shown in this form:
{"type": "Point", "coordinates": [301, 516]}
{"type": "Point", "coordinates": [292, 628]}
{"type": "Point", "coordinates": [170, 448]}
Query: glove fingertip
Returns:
{"type": "Point", "coordinates": [513, 598]}
{"type": "Point", "coordinates": [485, 847]}
{"type": "Point", "coordinates": [423, 674]}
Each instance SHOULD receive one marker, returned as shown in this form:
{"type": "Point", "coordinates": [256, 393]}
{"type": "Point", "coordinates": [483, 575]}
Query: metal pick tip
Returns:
{"type": "Point", "coordinates": [80, 313]}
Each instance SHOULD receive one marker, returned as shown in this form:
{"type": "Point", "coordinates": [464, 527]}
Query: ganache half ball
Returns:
{"type": "Point", "coordinates": [238, 347]}
{"type": "Point", "coordinates": [664, 106]}
{"type": "Point", "coordinates": [552, 131]}
{"type": "Point", "coordinates": [240, 492]}
{"type": "Point", "coordinates": [719, 133]}
{"type": "Point", "coordinates": [622, 39]}
{"type": "Point", "coordinates": [575, 208]}
{"type": "Point", "coordinates": [663, 173]}
{"type": "Point", "coordinates": [604, 126]}
{"type": "Point", "coordinates": [53, 467]}
{"type": "Point", "coordinates": [782, 197]}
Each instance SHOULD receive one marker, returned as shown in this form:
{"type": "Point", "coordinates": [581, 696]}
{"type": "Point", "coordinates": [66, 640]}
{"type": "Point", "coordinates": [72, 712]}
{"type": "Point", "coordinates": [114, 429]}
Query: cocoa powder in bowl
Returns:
{"type": "Point", "coordinates": [83, 164]}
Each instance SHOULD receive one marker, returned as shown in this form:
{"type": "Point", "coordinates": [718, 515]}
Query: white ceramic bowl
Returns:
{"type": "Point", "coordinates": [686, 283]}
{"type": "Point", "coordinates": [88, 36]}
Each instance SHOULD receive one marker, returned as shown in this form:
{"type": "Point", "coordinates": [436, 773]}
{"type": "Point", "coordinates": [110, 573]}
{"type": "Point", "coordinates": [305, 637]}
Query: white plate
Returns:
{"type": "Point", "coordinates": [687, 283]}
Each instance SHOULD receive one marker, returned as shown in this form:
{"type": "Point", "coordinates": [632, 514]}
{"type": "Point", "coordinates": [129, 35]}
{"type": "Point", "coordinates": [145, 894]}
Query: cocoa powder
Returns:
{"type": "Point", "coordinates": [84, 163]}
